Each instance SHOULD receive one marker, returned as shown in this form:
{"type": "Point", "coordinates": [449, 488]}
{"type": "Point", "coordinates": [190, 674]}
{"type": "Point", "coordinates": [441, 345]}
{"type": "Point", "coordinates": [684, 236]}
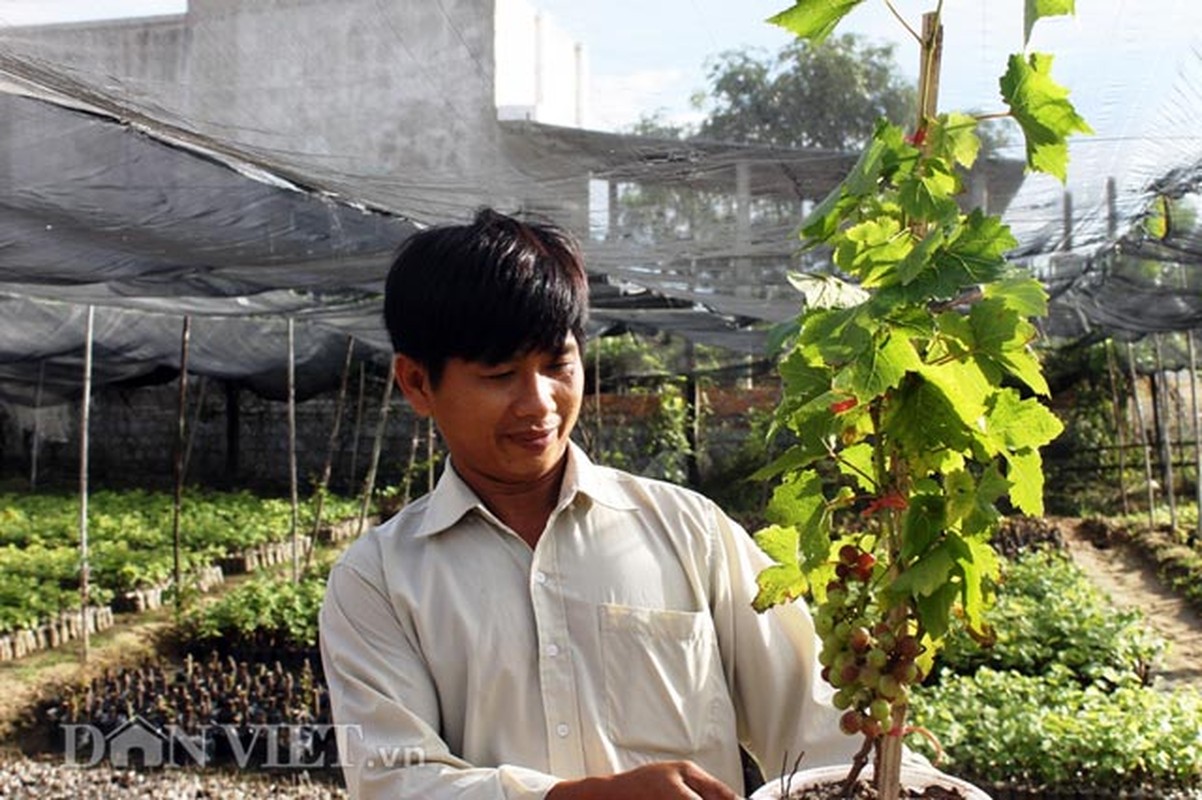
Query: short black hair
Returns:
{"type": "Point", "coordinates": [485, 291]}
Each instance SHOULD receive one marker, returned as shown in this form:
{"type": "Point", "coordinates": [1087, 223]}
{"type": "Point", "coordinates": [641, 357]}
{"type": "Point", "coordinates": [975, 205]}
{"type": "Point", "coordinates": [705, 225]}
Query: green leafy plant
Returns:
{"type": "Point", "coordinates": [911, 390]}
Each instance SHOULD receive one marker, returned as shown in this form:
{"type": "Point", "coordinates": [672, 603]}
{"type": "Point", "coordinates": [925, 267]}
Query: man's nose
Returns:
{"type": "Point", "coordinates": [536, 394]}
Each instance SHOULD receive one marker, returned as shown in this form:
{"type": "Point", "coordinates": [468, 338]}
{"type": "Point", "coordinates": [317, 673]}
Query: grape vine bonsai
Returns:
{"type": "Point", "coordinates": [912, 393]}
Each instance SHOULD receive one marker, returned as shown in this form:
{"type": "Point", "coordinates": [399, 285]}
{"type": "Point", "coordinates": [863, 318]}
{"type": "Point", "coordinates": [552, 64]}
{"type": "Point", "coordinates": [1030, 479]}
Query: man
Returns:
{"type": "Point", "coordinates": [539, 626]}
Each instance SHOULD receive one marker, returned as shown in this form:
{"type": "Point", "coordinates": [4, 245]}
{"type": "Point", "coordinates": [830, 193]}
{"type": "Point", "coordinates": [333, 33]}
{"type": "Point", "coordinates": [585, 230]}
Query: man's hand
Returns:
{"type": "Point", "coordinates": [666, 780]}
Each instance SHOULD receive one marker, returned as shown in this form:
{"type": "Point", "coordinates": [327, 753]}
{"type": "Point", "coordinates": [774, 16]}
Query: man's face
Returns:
{"type": "Point", "coordinates": [506, 425]}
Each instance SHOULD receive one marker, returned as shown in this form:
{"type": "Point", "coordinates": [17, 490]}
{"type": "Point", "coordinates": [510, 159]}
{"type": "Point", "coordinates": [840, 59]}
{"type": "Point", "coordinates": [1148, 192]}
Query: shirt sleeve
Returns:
{"type": "Point", "coordinates": [771, 661]}
{"type": "Point", "coordinates": [385, 708]}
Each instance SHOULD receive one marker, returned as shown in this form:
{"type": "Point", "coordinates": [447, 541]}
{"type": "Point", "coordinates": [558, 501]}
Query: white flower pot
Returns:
{"type": "Point", "coordinates": [913, 776]}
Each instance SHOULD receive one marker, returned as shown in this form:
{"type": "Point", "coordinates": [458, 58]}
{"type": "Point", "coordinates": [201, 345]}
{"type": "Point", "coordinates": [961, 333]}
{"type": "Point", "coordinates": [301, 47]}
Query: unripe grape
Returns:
{"type": "Point", "coordinates": [888, 687]}
{"type": "Point", "coordinates": [843, 630]}
{"type": "Point", "coordinates": [844, 698]}
{"type": "Point", "coordinates": [869, 676]}
{"type": "Point", "coordinates": [881, 711]}
{"type": "Point", "coordinates": [877, 658]}
{"type": "Point", "coordinates": [849, 674]}
{"type": "Point", "coordinates": [851, 722]}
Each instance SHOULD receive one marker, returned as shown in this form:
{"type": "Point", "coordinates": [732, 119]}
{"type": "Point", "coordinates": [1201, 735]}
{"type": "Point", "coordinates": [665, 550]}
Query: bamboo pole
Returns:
{"type": "Point", "coordinates": [1143, 436]}
{"type": "Point", "coordinates": [324, 481]}
{"type": "Point", "coordinates": [177, 500]}
{"type": "Point", "coordinates": [37, 427]}
{"type": "Point", "coordinates": [1119, 418]}
{"type": "Point", "coordinates": [203, 387]}
{"type": "Point", "coordinates": [1197, 428]}
{"type": "Point", "coordinates": [369, 482]}
{"type": "Point", "coordinates": [292, 479]}
{"type": "Point", "coordinates": [358, 430]}
{"type": "Point", "coordinates": [84, 421]}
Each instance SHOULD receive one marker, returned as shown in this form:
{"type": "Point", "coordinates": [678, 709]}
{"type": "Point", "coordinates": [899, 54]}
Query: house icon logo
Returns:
{"type": "Point", "coordinates": [137, 743]}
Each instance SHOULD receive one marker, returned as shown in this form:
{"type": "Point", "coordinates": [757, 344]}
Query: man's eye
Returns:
{"type": "Point", "coordinates": [497, 376]}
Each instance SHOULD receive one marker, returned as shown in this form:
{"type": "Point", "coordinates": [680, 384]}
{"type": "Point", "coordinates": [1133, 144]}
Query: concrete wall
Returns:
{"type": "Point", "coordinates": [397, 92]}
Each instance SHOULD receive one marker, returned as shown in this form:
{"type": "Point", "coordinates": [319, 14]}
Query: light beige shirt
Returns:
{"type": "Point", "coordinates": [468, 665]}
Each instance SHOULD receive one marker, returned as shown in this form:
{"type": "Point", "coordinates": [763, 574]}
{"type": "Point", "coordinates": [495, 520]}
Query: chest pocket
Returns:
{"type": "Point", "coordinates": [664, 687]}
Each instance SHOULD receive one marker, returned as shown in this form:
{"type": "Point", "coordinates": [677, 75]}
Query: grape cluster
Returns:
{"type": "Point", "coordinates": [871, 665]}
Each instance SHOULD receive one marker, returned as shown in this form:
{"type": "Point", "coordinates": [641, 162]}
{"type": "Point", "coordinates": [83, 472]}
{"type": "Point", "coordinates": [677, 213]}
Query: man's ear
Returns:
{"type": "Point", "coordinates": [414, 380]}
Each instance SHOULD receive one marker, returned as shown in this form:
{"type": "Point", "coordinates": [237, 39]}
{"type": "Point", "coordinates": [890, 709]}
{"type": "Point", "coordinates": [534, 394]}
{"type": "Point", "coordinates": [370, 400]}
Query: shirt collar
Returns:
{"type": "Point", "coordinates": [452, 498]}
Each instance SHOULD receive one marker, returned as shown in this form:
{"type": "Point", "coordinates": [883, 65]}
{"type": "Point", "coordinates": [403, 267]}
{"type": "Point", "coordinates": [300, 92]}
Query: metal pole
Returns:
{"type": "Point", "coordinates": [292, 448]}
{"type": "Point", "coordinates": [177, 505]}
{"type": "Point", "coordinates": [84, 421]}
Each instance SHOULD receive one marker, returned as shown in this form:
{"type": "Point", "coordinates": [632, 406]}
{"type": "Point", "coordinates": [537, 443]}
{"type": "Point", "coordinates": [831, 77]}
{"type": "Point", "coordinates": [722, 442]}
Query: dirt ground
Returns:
{"type": "Point", "coordinates": [1131, 582]}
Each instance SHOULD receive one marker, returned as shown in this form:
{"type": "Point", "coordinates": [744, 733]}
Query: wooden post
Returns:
{"type": "Point", "coordinates": [233, 431]}
{"type": "Point", "coordinates": [177, 500]}
{"type": "Point", "coordinates": [85, 415]}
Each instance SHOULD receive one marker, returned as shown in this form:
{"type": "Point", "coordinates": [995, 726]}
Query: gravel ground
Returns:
{"type": "Point", "coordinates": [22, 778]}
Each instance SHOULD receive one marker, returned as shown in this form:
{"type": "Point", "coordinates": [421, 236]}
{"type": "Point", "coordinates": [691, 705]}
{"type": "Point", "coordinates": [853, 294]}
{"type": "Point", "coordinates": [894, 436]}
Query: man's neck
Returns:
{"type": "Point", "coordinates": [525, 508]}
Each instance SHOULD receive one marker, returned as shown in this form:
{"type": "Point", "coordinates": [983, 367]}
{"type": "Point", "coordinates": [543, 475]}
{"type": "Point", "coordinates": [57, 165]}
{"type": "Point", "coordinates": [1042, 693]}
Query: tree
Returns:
{"type": "Point", "coordinates": [827, 95]}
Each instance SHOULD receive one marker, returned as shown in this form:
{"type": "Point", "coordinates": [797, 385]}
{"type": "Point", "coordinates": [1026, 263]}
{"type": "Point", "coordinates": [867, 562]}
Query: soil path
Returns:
{"type": "Point", "coordinates": [1131, 582]}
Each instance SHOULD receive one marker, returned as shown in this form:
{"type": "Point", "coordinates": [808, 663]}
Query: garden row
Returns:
{"type": "Point", "coordinates": [1064, 703]}
{"type": "Point", "coordinates": [131, 554]}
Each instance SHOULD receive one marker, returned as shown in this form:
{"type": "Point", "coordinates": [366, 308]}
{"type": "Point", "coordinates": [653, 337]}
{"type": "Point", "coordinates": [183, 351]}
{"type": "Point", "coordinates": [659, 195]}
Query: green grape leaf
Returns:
{"type": "Point", "coordinates": [872, 247]}
{"type": "Point", "coordinates": [923, 422]}
{"type": "Point", "coordinates": [826, 291]}
{"type": "Point", "coordinates": [1024, 295]}
{"type": "Point", "coordinates": [919, 258]}
{"type": "Point", "coordinates": [964, 387]}
{"type": "Point", "coordinates": [803, 379]}
{"type": "Point", "coordinates": [927, 574]}
{"type": "Point", "coordinates": [922, 522]}
{"type": "Point", "coordinates": [1000, 338]}
{"type": "Point", "coordinates": [879, 368]}
{"type": "Point", "coordinates": [955, 136]}
{"type": "Point", "coordinates": [982, 565]}
{"type": "Point", "coordinates": [823, 221]}
{"type": "Point", "coordinates": [798, 501]}
{"type": "Point", "coordinates": [1157, 221]}
{"type": "Point", "coordinates": [813, 19]}
{"type": "Point", "coordinates": [1026, 479]}
{"type": "Point", "coordinates": [784, 581]}
{"type": "Point", "coordinates": [1043, 111]}
{"type": "Point", "coordinates": [930, 195]}
{"type": "Point", "coordinates": [1016, 423]}
{"type": "Point", "coordinates": [779, 542]}
{"type": "Point", "coordinates": [1034, 10]}
{"type": "Point", "coordinates": [856, 462]}
{"type": "Point", "coordinates": [780, 336]}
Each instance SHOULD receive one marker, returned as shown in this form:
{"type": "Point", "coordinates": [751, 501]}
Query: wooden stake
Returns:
{"type": "Point", "coordinates": [84, 421]}
{"type": "Point", "coordinates": [177, 501]}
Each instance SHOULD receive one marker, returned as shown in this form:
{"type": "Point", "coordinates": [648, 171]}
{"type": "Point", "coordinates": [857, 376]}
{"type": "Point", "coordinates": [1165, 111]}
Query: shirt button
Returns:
{"type": "Point", "coordinates": [562, 730]}
{"type": "Point", "coordinates": [540, 577]}
{"type": "Point", "coordinates": [552, 650]}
